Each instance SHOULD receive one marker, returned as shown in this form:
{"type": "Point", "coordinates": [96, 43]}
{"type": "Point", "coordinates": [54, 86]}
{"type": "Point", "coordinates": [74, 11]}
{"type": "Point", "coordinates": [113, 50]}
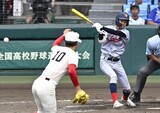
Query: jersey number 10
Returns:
{"type": "Point", "coordinates": [59, 55]}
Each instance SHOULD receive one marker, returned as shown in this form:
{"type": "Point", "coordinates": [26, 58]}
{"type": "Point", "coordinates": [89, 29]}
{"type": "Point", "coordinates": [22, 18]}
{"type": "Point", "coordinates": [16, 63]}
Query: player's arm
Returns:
{"type": "Point", "coordinates": [151, 17]}
{"type": "Point", "coordinates": [101, 29]}
{"type": "Point", "coordinates": [73, 76]}
{"type": "Point", "coordinates": [81, 96]}
{"type": "Point", "coordinates": [114, 32]}
{"type": "Point", "coordinates": [59, 40]}
{"type": "Point", "coordinates": [151, 23]}
{"type": "Point", "coordinates": [150, 51]}
{"type": "Point", "coordinates": [102, 34]}
{"type": "Point", "coordinates": [153, 57]}
{"type": "Point", "coordinates": [102, 38]}
{"type": "Point", "coordinates": [150, 54]}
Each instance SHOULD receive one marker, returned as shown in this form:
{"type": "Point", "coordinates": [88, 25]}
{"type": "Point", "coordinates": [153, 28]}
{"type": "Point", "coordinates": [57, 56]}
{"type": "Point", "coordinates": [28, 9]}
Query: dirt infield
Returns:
{"type": "Point", "coordinates": [17, 98]}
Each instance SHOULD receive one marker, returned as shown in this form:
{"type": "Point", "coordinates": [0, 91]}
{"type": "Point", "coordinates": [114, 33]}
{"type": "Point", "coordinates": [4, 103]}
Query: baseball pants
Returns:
{"type": "Point", "coordinates": [143, 73]}
{"type": "Point", "coordinates": [115, 71]}
{"type": "Point", "coordinates": [44, 94]}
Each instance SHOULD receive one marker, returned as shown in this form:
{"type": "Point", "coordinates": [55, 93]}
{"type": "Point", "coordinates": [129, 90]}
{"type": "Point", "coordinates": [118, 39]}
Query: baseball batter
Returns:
{"type": "Point", "coordinates": [113, 40]}
{"type": "Point", "coordinates": [153, 64]}
{"type": "Point", "coordinates": [62, 59]}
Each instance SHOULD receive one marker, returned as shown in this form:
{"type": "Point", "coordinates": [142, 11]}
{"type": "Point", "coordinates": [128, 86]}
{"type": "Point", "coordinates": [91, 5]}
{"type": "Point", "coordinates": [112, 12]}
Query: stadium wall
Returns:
{"type": "Point", "coordinates": [29, 47]}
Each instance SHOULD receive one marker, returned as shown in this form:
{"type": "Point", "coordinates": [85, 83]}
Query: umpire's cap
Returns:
{"type": "Point", "coordinates": [122, 16]}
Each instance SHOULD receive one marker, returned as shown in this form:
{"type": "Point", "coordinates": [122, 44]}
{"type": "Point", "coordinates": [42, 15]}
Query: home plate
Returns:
{"type": "Point", "coordinates": [158, 108]}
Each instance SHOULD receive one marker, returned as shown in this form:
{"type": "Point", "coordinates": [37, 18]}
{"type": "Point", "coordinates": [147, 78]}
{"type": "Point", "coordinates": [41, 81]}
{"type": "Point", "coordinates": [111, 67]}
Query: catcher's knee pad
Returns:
{"type": "Point", "coordinates": [113, 79]}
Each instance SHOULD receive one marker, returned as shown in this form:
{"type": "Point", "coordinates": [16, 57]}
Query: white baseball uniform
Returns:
{"type": "Point", "coordinates": [43, 88]}
{"type": "Point", "coordinates": [113, 46]}
{"type": "Point", "coordinates": [139, 21]}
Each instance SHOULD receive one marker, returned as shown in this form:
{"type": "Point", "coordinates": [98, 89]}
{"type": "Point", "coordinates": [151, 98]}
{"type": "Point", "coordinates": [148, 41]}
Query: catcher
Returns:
{"type": "Point", "coordinates": [62, 59]}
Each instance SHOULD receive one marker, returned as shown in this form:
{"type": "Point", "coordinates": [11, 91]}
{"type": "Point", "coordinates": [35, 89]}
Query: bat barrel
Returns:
{"type": "Point", "coordinates": [79, 14]}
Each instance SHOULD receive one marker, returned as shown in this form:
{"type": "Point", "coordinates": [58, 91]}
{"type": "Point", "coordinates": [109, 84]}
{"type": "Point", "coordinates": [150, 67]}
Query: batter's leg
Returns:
{"type": "Point", "coordinates": [145, 71]}
{"type": "Point", "coordinates": [123, 79]}
{"type": "Point", "coordinates": [106, 68]}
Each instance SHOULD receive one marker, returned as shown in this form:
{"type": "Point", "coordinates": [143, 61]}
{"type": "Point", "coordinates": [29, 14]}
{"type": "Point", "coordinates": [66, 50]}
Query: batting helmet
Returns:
{"type": "Point", "coordinates": [122, 16]}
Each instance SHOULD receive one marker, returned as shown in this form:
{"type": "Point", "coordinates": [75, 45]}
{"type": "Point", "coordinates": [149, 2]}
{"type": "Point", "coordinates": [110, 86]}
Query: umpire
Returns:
{"type": "Point", "coordinates": [153, 64]}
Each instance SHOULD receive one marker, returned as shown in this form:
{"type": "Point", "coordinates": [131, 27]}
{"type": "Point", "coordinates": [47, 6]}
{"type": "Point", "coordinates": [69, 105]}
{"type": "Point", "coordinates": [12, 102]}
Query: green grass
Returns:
{"type": "Point", "coordinates": [16, 79]}
{"type": "Point", "coordinates": [66, 79]}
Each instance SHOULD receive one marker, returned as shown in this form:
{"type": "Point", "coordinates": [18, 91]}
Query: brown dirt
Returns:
{"type": "Point", "coordinates": [17, 98]}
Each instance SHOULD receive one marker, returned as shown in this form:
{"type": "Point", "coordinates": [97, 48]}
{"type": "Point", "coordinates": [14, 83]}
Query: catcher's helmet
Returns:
{"type": "Point", "coordinates": [122, 16]}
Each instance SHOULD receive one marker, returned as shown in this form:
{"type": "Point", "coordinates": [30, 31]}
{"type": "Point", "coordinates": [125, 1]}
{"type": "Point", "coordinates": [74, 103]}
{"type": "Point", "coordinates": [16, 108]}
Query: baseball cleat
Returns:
{"type": "Point", "coordinates": [135, 97]}
{"type": "Point", "coordinates": [117, 104]}
{"type": "Point", "coordinates": [128, 102]}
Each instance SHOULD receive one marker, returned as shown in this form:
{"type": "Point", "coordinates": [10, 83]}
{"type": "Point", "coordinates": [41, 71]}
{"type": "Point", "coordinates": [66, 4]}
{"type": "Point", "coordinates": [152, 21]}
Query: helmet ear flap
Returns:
{"type": "Point", "coordinates": [127, 23]}
{"type": "Point", "coordinates": [118, 23]}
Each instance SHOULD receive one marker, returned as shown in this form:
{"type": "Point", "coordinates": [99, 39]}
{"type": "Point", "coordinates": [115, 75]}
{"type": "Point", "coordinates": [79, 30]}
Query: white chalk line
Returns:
{"type": "Point", "coordinates": [80, 111]}
{"type": "Point", "coordinates": [15, 102]}
{"type": "Point", "coordinates": [96, 100]}
{"type": "Point", "coordinates": [61, 101]}
{"type": "Point", "coordinates": [77, 106]}
{"type": "Point", "coordinates": [23, 102]}
{"type": "Point", "coordinates": [156, 108]}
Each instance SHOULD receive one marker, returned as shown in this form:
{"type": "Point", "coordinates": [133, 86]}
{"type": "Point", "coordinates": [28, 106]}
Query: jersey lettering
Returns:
{"type": "Point", "coordinates": [59, 55]}
{"type": "Point", "coordinates": [114, 38]}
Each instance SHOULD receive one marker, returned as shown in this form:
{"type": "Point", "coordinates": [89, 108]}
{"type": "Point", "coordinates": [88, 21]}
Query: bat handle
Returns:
{"type": "Point", "coordinates": [91, 22]}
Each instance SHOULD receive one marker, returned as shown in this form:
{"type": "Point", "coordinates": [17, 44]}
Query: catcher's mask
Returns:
{"type": "Point", "coordinates": [122, 16]}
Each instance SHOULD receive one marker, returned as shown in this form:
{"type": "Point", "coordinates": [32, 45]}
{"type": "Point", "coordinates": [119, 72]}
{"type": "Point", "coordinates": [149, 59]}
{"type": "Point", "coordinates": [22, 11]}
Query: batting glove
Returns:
{"type": "Point", "coordinates": [98, 26]}
{"type": "Point", "coordinates": [81, 97]}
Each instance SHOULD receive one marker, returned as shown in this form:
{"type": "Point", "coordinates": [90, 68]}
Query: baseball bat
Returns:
{"type": "Point", "coordinates": [79, 14]}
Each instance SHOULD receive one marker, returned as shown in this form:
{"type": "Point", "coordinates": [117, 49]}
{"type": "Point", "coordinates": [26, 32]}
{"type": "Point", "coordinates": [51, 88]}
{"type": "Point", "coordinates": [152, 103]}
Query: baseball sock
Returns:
{"type": "Point", "coordinates": [113, 89]}
{"type": "Point", "coordinates": [126, 93]}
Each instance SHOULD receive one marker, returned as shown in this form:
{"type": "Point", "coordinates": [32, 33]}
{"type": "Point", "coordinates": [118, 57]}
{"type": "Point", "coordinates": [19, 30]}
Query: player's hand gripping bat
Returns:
{"type": "Point", "coordinates": [98, 26]}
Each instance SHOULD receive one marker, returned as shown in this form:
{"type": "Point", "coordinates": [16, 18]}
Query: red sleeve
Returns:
{"type": "Point", "coordinates": [73, 74]}
{"type": "Point", "coordinates": [58, 41]}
